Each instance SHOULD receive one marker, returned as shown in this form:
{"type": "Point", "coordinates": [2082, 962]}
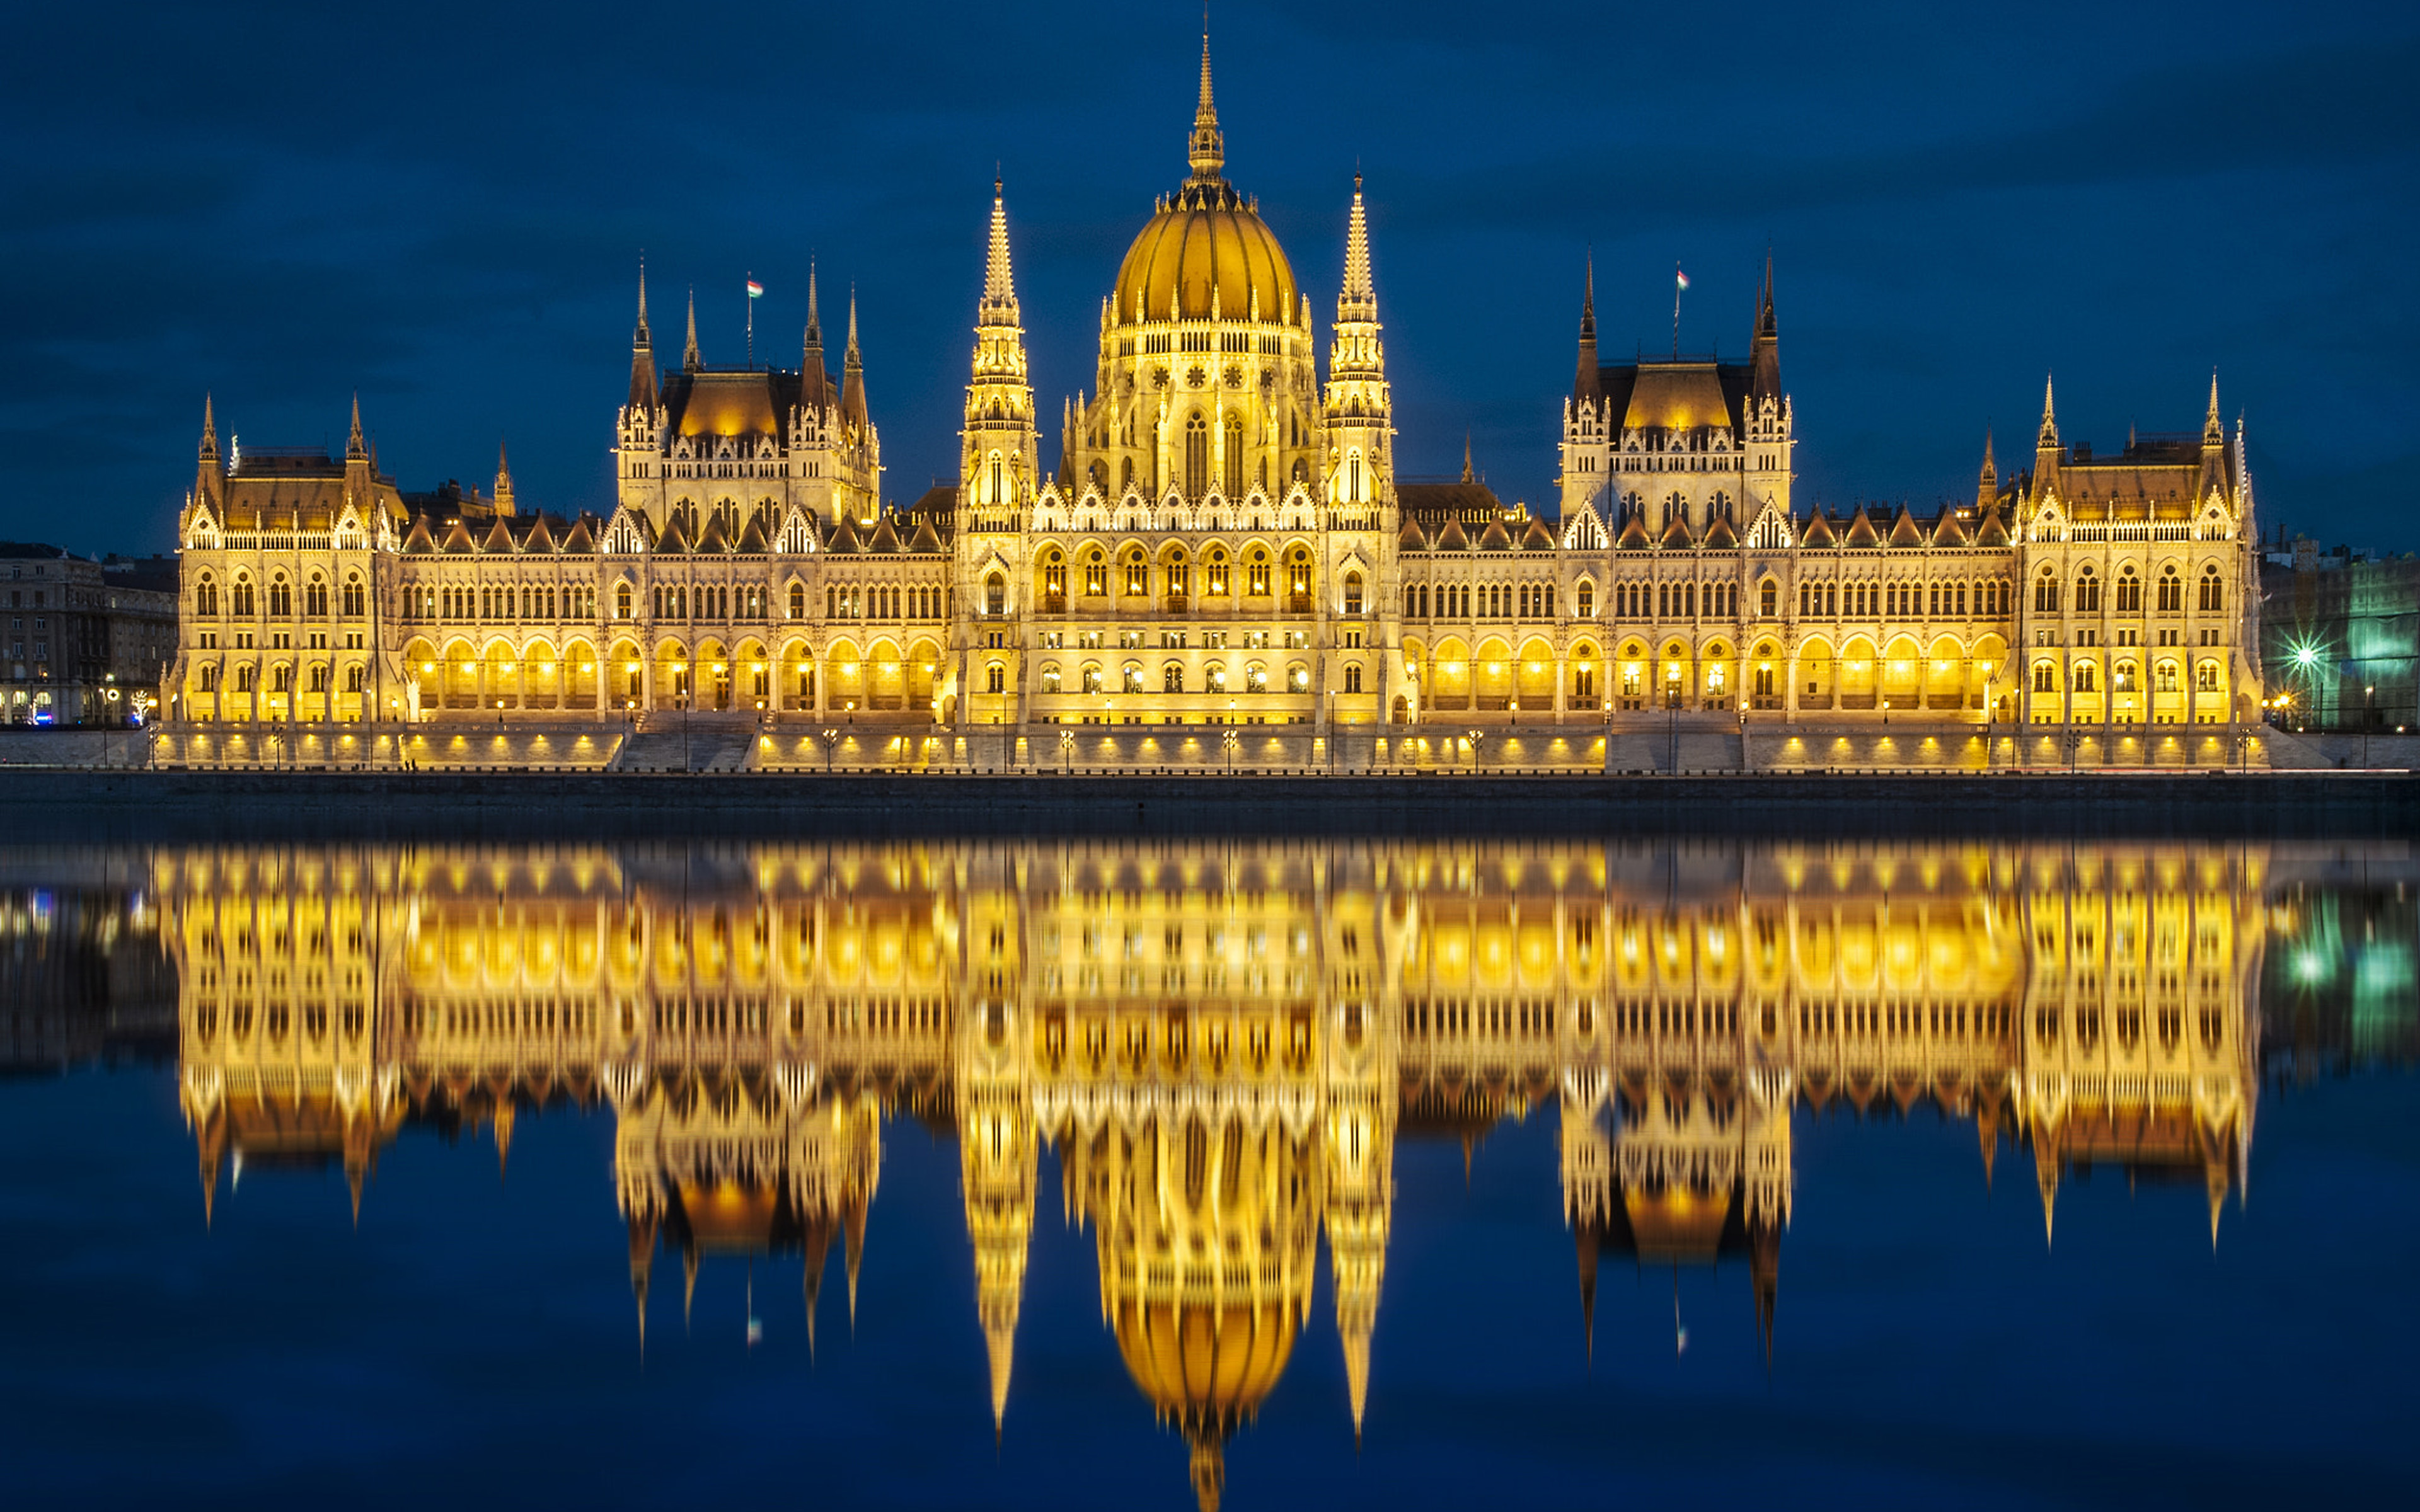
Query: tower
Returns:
{"type": "Point", "coordinates": [1360, 440]}
{"type": "Point", "coordinates": [1588, 429]}
{"type": "Point", "coordinates": [1768, 427]}
{"type": "Point", "coordinates": [999, 456]}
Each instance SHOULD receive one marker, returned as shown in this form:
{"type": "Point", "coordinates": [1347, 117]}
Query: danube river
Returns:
{"type": "Point", "coordinates": [1183, 1173]}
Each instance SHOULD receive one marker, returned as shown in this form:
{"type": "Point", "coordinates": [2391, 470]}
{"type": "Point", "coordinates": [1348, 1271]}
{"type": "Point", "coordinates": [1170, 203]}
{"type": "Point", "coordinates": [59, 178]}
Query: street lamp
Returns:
{"type": "Point", "coordinates": [831, 744]}
{"type": "Point", "coordinates": [2368, 691]}
{"type": "Point", "coordinates": [1066, 751]}
{"type": "Point", "coordinates": [1476, 736]}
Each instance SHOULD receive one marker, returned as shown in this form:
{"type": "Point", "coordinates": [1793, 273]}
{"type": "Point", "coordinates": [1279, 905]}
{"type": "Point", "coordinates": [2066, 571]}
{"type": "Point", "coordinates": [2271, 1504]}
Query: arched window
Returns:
{"type": "Point", "coordinates": [1352, 592]}
{"type": "Point", "coordinates": [1137, 572]}
{"type": "Point", "coordinates": [1197, 456]}
{"type": "Point", "coordinates": [354, 596]}
{"type": "Point", "coordinates": [2085, 680]}
{"type": "Point", "coordinates": [1091, 677]}
{"type": "Point", "coordinates": [2164, 677]}
{"type": "Point", "coordinates": [995, 678]}
{"type": "Point", "coordinates": [244, 675]}
{"type": "Point", "coordinates": [2206, 677]}
{"type": "Point", "coordinates": [1768, 598]}
{"type": "Point", "coordinates": [2045, 677]}
{"type": "Point", "coordinates": [622, 598]}
{"type": "Point", "coordinates": [2046, 592]}
{"type": "Point", "coordinates": [1234, 458]}
{"type": "Point", "coordinates": [1050, 678]}
{"type": "Point", "coordinates": [998, 491]}
{"type": "Point", "coordinates": [1217, 571]}
{"type": "Point", "coordinates": [242, 596]}
{"type": "Point", "coordinates": [1298, 578]}
{"type": "Point", "coordinates": [1353, 677]}
{"type": "Point", "coordinates": [1214, 677]}
{"type": "Point", "coordinates": [319, 683]}
{"type": "Point", "coordinates": [1171, 678]}
{"type": "Point", "coordinates": [1256, 678]}
{"type": "Point", "coordinates": [206, 597]}
{"type": "Point", "coordinates": [281, 598]}
{"type": "Point", "coordinates": [315, 598]}
{"type": "Point", "coordinates": [1257, 574]}
{"type": "Point", "coordinates": [1585, 600]}
{"type": "Point", "coordinates": [1353, 477]}
{"type": "Point", "coordinates": [2172, 592]}
{"type": "Point", "coordinates": [2130, 590]}
{"type": "Point", "coordinates": [1130, 677]}
{"type": "Point", "coordinates": [356, 677]}
{"type": "Point", "coordinates": [798, 601]}
{"type": "Point", "coordinates": [995, 595]}
{"type": "Point", "coordinates": [2121, 678]}
{"type": "Point", "coordinates": [1096, 573]}
{"type": "Point", "coordinates": [2087, 592]}
{"type": "Point", "coordinates": [2213, 596]}
{"type": "Point", "coordinates": [207, 678]}
{"type": "Point", "coordinates": [1298, 678]}
{"type": "Point", "coordinates": [281, 678]}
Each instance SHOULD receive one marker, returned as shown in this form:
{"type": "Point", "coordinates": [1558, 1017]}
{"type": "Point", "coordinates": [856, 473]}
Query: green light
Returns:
{"type": "Point", "coordinates": [2305, 656]}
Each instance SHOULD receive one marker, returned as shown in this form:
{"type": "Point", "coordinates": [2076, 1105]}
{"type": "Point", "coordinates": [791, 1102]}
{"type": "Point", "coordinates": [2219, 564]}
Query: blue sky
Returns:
{"type": "Point", "coordinates": [443, 206]}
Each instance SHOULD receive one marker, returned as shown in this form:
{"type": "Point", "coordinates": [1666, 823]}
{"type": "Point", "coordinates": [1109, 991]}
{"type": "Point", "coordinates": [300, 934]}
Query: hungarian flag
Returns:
{"type": "Point", "coordinates": [1680, 279]}
{"type": "Point", "coordinates": [755, 291]}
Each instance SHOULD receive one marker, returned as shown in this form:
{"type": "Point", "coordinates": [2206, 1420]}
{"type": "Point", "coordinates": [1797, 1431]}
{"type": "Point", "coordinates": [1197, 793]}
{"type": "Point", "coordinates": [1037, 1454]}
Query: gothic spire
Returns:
{"type": "Point", "coordinates": [1359, 299]}
{"type": "Point", "coordinates": [814, 314]}
{"type": "Point", "coordinates": [852, 381]}
{"type": "Point", "coordinates": [1586, 385]}
{"type": "Point", "coordinates": [1764, 347]}
{"type": "Point", "coordinates": [691, 360]}
{"type": "Point", "coordinates": [1467, 476]}
{"type": "Point", "coordinates": [815, 388]}
{"type": "Point", "coordinates": [999, 284]}
{"type": "Point", "coordinates": [643, 355]}
{"type": "Point", "coordinates": [356, 450]}
{"type": "Point", "coordinates": [1987, 482]}
{"type": "Point", "coordinates": [504, 505]}
{"type": "Point", "coordinates": [640, 337]}
{"type": "Point", "coordinates": [1207, 151]}
{"type": "Point", "coordinates": [2214, 430]}
{"type": "Point", "coordinates": [2049, 437]}
{"type": "Point", "coordinates": [210, 432]}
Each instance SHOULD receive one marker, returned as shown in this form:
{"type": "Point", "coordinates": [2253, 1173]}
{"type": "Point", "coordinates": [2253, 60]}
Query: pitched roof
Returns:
{"type": "Point", "coordinates": [1537, 537]}
{"type": "Point", "coordinates": [712, 538]}
{"type": "Point", "coordinates": [1861, 530]}
{"type": "Point", "coordinates": [580, 540]}
{"type": "Point", "coordinates": [1949, 529]}
{"type": "Point", "coordinates": [1413, 538]}
{"type": "Point", "coordinates": [1818, 530]}
{"type": "Point", "coordinates": [886, 540]}
{"type": "Point", "coordinates": [1720, 536]}
{"type": "Point", "coordinates": [926, 541]}
{"type": "Point", "coordinates": [751, 536]}
{"type": "Point", "coordinates": [1676, 535]}
{"type": "Point", "coordinates": [1495, 537]}
{"type": "Point", "coordinates": [1450, 538]}
{"type": "Point", "coordinates": [1905, 530]}
{"type": "Point", "coordinates": [1633, 536]}
{"type": "Point", "coordinates": [843, 533]}
{"type": "Point", "coordinates": [1432, 502]}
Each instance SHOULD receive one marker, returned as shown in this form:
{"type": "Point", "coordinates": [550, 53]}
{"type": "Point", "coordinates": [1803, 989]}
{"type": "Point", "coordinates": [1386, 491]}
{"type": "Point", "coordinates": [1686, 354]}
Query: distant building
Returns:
{"type": "Point", "coordinates": [2340, 637]}
{"type": "Point", "coordinates": [76, 633]}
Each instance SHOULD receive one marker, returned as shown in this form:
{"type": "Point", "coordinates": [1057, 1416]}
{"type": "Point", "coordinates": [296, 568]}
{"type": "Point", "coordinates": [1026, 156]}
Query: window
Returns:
{"type": "Point", "coordinates": [1768, 598]}
{"type": "Point", "coordinates": [354, 596]}
{"type": "Point", "coordinates": [1352, 592]}
{"type": "Point", "coordinates": [622, 601]}
{"type": "Point", "coordinates": [1297, 679]}
{"type": "Point", "coordinates": [356, 677]}
{"type": "Point", "coordinates": [206, 597]}
{"type": "Point", "coordinates": [1054, 579]}
{"type": "Point", "coordinates": [243, 601]}
{"type": "Point", "coordinates": [319, 681]}
{"type": "Point", "coordinates": [2130, 590]}
{"type": "Point", "coordinates": [2214, 596]}
{"type": "Point", "coordinates": [2046, 592]}
{"type": "Point", "coordinates": [1217, 571]}
{"type": "Point", "coordinates": [281, 598]}
{"type": "Point", "coordinates": [1256, 678]}
{"type": "Point", "coordinates": [2121, 678]}
{"type": "Point", "coordinates": [2206, 677]}
{"type": "Point", "coordinates": [2088, 592]}
{"type": "Point", "coordinates": [1050, 678]}
{"type": "Point", "coordinates": [1584, 601]}
{"type": "Point", "coordinates": [1171, 678]}
{"type": "Point", "coordinates": [1197, 456]}
{"type": "Point", "coordinates": [1257, 574]}
{"type": "Point", "coordinates": [798, 601]}
{"type": "Point", "coordinates": [1137, 573]}
{"type": "Point", "coordinates": [315, 598]}
{"type": "Point", "coordinates": [995, 595]}
{"type": "Point", "coordinates": [1298, 574]}
{"type": "Point", "coordinates": [995, 678]}
{"type": "Point", "coordinates": [1096, 573]}
{"type": "Point", "coordinates": [1214, 677]}
{"type": "Point", "coordinates": [2045, 677]}
{"type": "Point", "coordinates": [1353, 677]}
{"type": "Point", "coordinates": [1584, 679]}
{"type": "Point", "coordinates": [1131, 680]}
{"type": "Point", "coordinates": [2164, 677]}
{"type": "Point", "coordinates": [1234, 458]}
{"type": "Point", "coordinates": [2084, 679]}
{"type": "Point", "coordinates": [207, 680]}
{"type": "Point", "coordinates": [243, 677]}
{"type": "Point", "coordinates": [1093, 677]}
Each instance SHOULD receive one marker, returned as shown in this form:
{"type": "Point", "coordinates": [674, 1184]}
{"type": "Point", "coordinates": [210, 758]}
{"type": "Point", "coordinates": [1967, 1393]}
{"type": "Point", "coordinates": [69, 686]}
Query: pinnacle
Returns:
{"type": "Point", "coordinates": [690, 358]}
{"type": "Point", "coordinates": [814, 319]}
{"type": "Point", "coordinates": [641, 338]}
{"type": "Point", "coordinates": [1206, 152]}
{"type": "Point", "coordinates": [999, 282]}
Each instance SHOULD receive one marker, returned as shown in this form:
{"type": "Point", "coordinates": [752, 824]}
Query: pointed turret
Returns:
{"type": "Point", "coordinates": [1359, 298]}
{"type": "Point", "coordinates": [1764, 347]}
{"type": "Point", "coordinates": [999, 282]}
{"type": "Point", "coordinates": [1587, 385]}
{"type": "Point", "coordinates": [2046, 448]}
{"type": "Point", "coordinates": [1207, 150]}
{"type": "Point", "coordinates": [503, 506]}
{"type": "Point", "coordinates": [1987, 482]}
{"type": "Point", "coordinates": [210, 452]}
{"type": "Point", "coordinates": [504, 1126]}
{"type": "Point", "coordinates": [852, 373]}
{"type": "Point", "coordinates": [2213, 446]}
{"type": "Point", "coordinates": [853, 1234]}
{"type": "Point", "coordinates": [691, 360]}
{"type": "Point", "coordinates": [356, 449]}
{"type": "Point", "coordinates": [1467, 476]}
{"type": "Point", "coordinates": [814, 384]}
{"type": "Point", "coordinates": [643, 355]}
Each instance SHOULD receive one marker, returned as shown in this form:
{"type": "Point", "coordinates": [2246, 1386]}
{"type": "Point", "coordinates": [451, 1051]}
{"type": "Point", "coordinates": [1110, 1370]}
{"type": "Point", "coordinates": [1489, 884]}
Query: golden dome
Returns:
{"type": "Point", "coordinates": [1206, 1365]}
{"type": "Point", "coordinates": [1205, 238]}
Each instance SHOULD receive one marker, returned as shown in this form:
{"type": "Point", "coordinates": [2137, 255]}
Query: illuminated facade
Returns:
{"type": "Point", "coordinates": [1223, 1043]}
{"type": "Point", "coordinates": [1222, 544]}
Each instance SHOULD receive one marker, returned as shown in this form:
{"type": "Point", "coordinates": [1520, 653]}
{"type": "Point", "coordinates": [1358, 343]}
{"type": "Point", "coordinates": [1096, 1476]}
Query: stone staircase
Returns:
{"type": "Point", "coordinates": [702, 749]}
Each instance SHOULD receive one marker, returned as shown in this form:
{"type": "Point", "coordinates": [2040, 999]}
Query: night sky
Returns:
{"type": "Point", "coordinates": [442, 206]}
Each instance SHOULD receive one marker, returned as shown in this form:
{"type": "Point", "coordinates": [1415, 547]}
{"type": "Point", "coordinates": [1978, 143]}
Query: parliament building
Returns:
{"type": "Point", "coordinates": [1218, 563]}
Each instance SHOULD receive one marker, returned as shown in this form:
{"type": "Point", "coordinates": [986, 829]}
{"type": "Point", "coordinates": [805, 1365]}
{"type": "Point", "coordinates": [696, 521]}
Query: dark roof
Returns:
{"type": "Point", "coordinates": [1619, 380]}
{"type": "Point", "coordinates": [26, 550]}
{"type": "Point", "coordinates": [1433, 504]}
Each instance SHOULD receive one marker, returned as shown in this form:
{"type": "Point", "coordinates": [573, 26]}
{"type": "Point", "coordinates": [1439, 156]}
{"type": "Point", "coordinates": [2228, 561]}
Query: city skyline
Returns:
{"type": "Point", "coordinates": [1931, 268]}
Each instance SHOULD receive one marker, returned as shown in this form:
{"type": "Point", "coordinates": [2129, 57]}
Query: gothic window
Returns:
{"type": "Point", "coordinates": [356, 677]}
{"type": "Point", "coordinates": [243, 677]}
{"type": "Point", "coordinates": [1257, 574]}
{"type": "Point", "coordinates": [1137, 573]}
{"type": "Point", "coordinates": [2088, 592]}
{"type": "Point", "coordinates": [1584, 678]}
{"type": "Point", "coordinates": [1256, 678]}
{"type": "Point", "coordinates": [1353, 477]}
{"type": "Point", "coordinates": [1769, 598]}
{"type": "Point", "coordinates": [1180, 578]}
{"type": "Point", "coordinates": [1096, 573]}
{"type": "Point", "coordinates": [1050, 678]}
{"type": "Point", "coordinates": [2046, 592]}
{"type": "Point", "coordinates": [798, 601]}
{"type": "Point", "coordinates": [1091, 677]}
{"type": "Point", "coordinates": [2206, 677]}
{"type": "Point", "coordinates": [315, 597]}
{"type": "Point", "coordinates": [1298, 577]}
{"type": "Point", "coordinates": [206, 597]}
{"type": "Point", "coordinates": [1214, 677]}
{"type": "Point", "coordinates": [207, 679]}
{"type": "Point", "coordinates": [1130, 679]}
{"type": "Point", "coordinates": [2085, 681]}
{"type": "Point", "coordinates": [2121, 678]}
{"type": "Point", "coordinates": [995, 595]}
{"type": "Point", "coordinates": [1054, 579]}
{"type": "Point", "coordinates": [1171, 678]}
{"type": "Point", "coordinates": [1126, 475]}
{"type": "Point", "coordinates": [281, 598]}
{"type": "Point", "coordinates": [2130, 590]}
{"type": "Point", "coordinates": [2212, 596]}
{"type": "Point", "coordinates": [1584, 600]}
{"type": "Point", "coordinates": [1197, 456]}
{"type": "Point", "coordinates": [1352, 592]}
{"type": "Point", "coordinates": [281, 679]}
{"type": "Point", "coordinates": [1298, 678]}
{"type": "Point", "coordinates": [2172, 592]}
{"type": "Point", "coordinates": [2164, 677]}
{"type": "Point", "coordinates": [2045, 677]}
{"type": "Point", "coordinates": [242, 599]}
{"type": "Point", "coordinates": [1234, 459]}
{"type": "Point", "coordinates": [998, 493]}
{"type": "Point", "coordinates": [1353, 677]}
{"type": "Point", "coordinates": [319, 681]}
{"type": "Point", "coordinates": [354, 596]}
{"type": "Point", "coordinates": [1217, 571]}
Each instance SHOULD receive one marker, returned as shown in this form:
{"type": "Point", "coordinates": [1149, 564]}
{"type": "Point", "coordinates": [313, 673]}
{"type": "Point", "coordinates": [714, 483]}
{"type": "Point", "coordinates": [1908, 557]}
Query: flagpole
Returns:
{"type": "Point", "coordinates": [749, 300]}
{"type": "Point", "coordinates": [1676, 312]}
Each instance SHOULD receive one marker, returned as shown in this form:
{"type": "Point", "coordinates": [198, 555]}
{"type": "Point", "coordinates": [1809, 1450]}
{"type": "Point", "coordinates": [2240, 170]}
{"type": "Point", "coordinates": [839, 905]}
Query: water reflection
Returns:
{"type": "Point", "coordinates": [1221, 1042]}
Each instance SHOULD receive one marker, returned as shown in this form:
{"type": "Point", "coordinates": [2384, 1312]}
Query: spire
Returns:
{"type": "Point", "coordinates": [1208, 1466]}
{"type": "Point", "coordinates": [2048, 439]}
{"type": "Point", "coordinates": [642, 356]}
{"type": "Point", "coordinates": [689, 1281]}
{"type": "Point", "coordinates": [210, 432]}
{"type": "Point", "coordinates": [999, 286]}
{"type": "Point", "coordinates": [1207, 151]}
{"type": "Point", "coordinates": [1586, 385]}
{"type": "Point", "coordinates": [1584, 1240]}
{"type": "Point", "coordinates": [691, 360]}
{"type": "Point", "coordinates": [1764, 347]}
{"type": "Point", "coordinates": [503, 1117]}
{"type": "Point", "coordinates": [356, 450]}
{"type": "Point", "coordinates": [503, 506]}
{"type": "Point", "coordinates": [1987, 482]}
{"type": "Point", "coordinates": [999, 1348]}
{"type": "Point", "coordinates": [815, 388]}
{"type": "Point", "coordinates": [854, 1235]}
{"type": "Point", "coordinates": [2214, 430]}
{"type": "Point", "coordinates": [818, 1247]}
{"type": "Point", "coordinates": [1359, 299]}
{"type": "Point", "coordinates": [1467, 476]}
{"type": "Point", "coordinates": [852, 381]}
{"type": "Point", "coordinates": [1764, 1277]}
{"type": "Point", "coordinates": [643, 1265]}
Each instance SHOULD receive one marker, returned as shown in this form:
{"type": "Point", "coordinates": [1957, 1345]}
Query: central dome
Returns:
{"type": "Point", "coordinates": [1205, 243]}
{"type": "Point", "coordinates": [1205, 239]}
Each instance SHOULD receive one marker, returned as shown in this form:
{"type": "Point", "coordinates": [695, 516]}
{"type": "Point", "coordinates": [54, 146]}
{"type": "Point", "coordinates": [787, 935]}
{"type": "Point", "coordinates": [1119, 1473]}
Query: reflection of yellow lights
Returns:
{"type": "Point", "coordinates": [428, 665]}
{"type": "Point", "coordinates": [630, 666]}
